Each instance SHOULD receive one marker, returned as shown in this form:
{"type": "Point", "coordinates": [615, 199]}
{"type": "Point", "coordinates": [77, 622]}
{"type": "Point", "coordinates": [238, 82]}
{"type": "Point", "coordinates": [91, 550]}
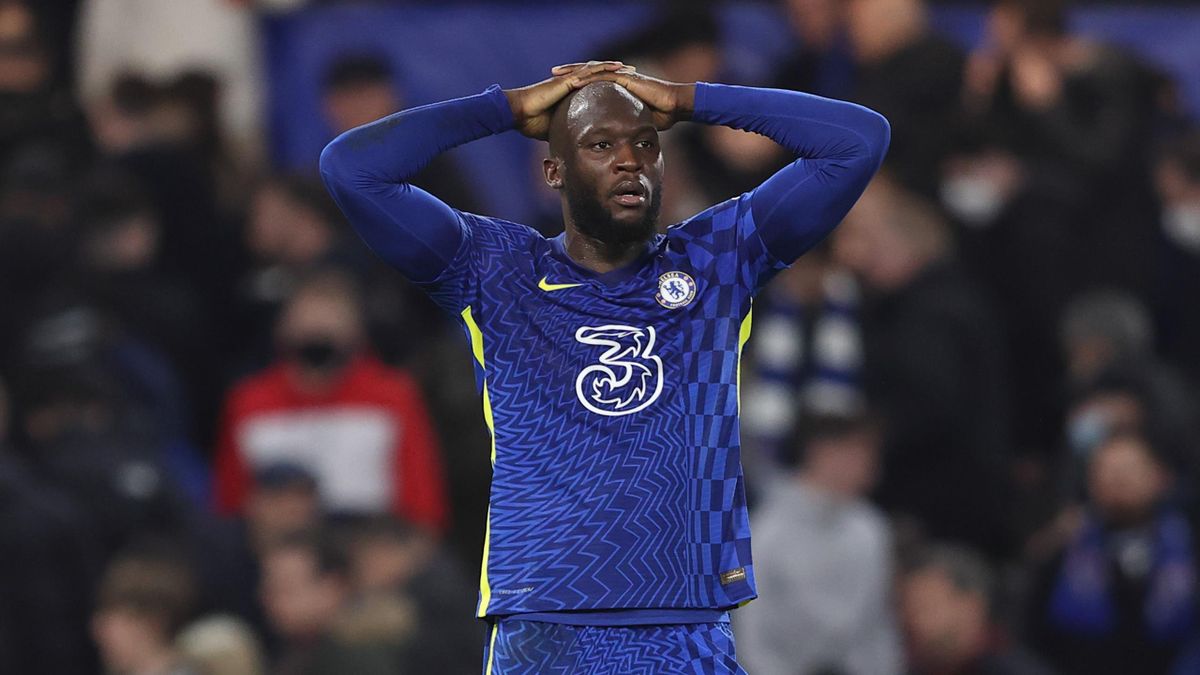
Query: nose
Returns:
{"type": "Point", "coordinates": [627, 158]}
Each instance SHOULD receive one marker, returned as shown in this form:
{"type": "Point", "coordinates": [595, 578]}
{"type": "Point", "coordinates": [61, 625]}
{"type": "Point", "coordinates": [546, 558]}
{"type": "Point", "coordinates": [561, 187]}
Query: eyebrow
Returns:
{"type": "Point", "coordinates": [604, 128]}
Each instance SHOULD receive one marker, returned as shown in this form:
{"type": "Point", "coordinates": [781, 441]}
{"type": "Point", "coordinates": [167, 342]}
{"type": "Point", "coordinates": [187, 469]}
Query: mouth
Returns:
{"type": "Point", "coordinates": [630, 193]}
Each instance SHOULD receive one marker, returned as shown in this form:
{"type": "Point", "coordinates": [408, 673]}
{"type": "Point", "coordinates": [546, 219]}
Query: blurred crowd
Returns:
{"type": "Point", "coordinates": [232, 442]}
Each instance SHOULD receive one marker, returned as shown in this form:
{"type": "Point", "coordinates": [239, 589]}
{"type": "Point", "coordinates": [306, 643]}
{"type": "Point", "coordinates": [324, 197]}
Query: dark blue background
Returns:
{"type": "Point", "coordinates": [457, 49]}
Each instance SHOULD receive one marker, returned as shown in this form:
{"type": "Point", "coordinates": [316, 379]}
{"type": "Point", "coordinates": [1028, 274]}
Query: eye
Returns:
{"type": "Point", "coordinates": [647, 144]}
{"type": "Point", "coordinates": [601, 145]}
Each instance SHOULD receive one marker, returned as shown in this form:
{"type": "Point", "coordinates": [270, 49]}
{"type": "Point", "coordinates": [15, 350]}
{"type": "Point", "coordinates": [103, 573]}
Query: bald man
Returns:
{"type": "Point", "coordinates": [607, 356]}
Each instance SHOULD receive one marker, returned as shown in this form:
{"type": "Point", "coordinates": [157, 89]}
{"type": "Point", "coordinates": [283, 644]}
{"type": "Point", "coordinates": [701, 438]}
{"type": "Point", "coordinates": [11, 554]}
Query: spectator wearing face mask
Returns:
{"type": "Point", "coordinates": [327, 404]}
{"type": "Point", "coordinates": [1177, 179]}
{"type": "Point", "coordinates": [1107, 340]}
{"type": "Point", "coordinates": [1121, 596]}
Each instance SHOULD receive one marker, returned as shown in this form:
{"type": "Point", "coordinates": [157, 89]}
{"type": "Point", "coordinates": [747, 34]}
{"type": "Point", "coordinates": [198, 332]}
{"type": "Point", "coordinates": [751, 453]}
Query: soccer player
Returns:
{"type": "Point", "coordinates": [607, 356]}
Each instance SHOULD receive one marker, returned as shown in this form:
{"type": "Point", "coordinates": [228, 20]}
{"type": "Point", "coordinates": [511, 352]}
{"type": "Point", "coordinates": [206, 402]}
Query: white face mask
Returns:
{"type": "Point", "coordinates": [1181, 224]}
{"type": "Point", "coordinates": [975, 200]}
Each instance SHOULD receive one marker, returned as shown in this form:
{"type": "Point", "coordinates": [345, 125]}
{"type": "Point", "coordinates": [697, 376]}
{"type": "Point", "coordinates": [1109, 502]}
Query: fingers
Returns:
{"type": "Point", "coordinates": [620, 76]}
{"type": "Point", "coordinates": [571, 67]}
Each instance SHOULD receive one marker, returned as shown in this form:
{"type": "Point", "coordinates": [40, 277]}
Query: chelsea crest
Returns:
{"type": "Point", "coordinates": [675, 289]}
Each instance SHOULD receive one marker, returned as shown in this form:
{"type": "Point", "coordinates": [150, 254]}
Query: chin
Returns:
{"type": "Point", "coordinates": [629, 229]}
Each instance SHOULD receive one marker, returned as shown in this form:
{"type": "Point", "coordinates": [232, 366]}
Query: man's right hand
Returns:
{"type": "Point", "coordinates": [533, 105]}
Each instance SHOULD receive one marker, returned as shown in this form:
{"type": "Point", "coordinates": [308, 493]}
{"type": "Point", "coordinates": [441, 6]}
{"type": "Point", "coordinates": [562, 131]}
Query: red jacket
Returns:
{"type": "Point", "coordinates": [368, 441]}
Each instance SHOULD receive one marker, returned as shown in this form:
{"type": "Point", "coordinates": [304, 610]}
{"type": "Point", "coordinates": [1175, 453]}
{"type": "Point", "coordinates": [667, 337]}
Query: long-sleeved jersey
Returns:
{"type": "Point", "coordinates": [612, 398]}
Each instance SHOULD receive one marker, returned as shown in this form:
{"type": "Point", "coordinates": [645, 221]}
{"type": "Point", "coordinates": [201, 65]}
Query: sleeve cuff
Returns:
{"type": "Point", "coordinates": [503, 119]}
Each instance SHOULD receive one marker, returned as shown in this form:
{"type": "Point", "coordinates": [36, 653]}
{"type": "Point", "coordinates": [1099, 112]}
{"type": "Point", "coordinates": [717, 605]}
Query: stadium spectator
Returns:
{"type": "Point", "coordinates": [293, 229]}
{"type": "Point", "coordinates": [1177, 178]}
{"type": "Point", "coordinates": [42, 142]}
{"type": "Point", "coordinates": [823, 560]}
{"type": "Point", "coordinates": [289, 231]}
{"type": "Point", "coordinates": [1053, 165]}
{"type": "Point", "coordinates": [121, 270]}
{"type": "Point", "coordinates": [135, 132]}
{"type": "Point", "coordinates": [821, 62]}
{"type": "Point", "coordinates": [1107, 339]}
{"type": "Point", "coordinates": [165, 40]}
{"type": "Point", "coordinates": [933, 367]}
{"type": "Point", "coordinates": [87, 432]}
{"type": "Point", "coordinates": [911, 76]}
{"type": "Point", "coordinates": [392, 560]}
{"type": "Point", "coordinates": [34, 108]}
{"type": "Point", "coordinates": [49, 563]}
{"type": "Point", "coordinates": [142, 603]}
{"type": "Point", "coordinates": [946, 604]}
{"type": "Point", "coordinates": [330, 406]}
{"type": "Point", "coordinates": [358, 89]}
{"type": "Point", "coordinates": [282, 501]}
{"type": "Point", "coordinates": [807, 353]}
{"type": "Point", "coordinates": [1121, 596]}
{"type": "Point", "coordinates": [75, 353]}
{"type": "Point", "coordinates": [306, 592]}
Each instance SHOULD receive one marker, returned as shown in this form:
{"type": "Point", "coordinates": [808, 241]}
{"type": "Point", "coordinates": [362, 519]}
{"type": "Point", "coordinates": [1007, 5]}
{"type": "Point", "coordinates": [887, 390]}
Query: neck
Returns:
{"type": "Point", "coordinates": [313, 382]}
{"type": "Point", "coordinates": [600, 256]}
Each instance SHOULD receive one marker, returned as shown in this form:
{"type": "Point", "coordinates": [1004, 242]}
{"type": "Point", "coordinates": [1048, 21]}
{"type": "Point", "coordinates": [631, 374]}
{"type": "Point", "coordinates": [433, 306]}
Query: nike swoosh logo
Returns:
{"type": "Point", "coordinates": [554, 287]}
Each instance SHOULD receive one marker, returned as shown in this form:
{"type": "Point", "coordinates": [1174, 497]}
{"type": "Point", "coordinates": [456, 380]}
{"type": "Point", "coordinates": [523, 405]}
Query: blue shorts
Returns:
{"type": "Point", "coordinates": [517, 647]}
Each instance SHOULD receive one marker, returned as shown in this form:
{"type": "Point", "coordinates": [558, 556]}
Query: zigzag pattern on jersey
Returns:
{"type": "Point", "coordinates": [591, 515]}
{"type": "Point", "coordinates": [596, 512]}
{"type": "Point", "coordinates": [528, 647]}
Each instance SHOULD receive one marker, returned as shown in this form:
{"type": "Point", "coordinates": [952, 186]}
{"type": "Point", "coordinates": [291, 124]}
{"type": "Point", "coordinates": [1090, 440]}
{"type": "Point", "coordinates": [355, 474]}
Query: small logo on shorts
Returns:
{"type": "Point", "coordinates": [735, 574]}
{"type": "Point", "coordinates": [675, 289]}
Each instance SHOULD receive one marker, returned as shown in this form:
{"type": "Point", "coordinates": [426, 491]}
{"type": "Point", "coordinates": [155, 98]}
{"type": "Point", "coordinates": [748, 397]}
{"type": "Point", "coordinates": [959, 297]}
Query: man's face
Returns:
{"type": "Point", "coordinates": [125, 636]}
{"type": "Point", "coordinates": [936, 618]}
{"type": "Point", "coordinates": [320, 333]}
{"type": "Point", "coordinates": [608, 164]}
{"type": "Point", "coordinates": [868, 243]}
{"type": "Point", "coordinates": [353, 105]}
{"type": "Point", "coordinates": [276, 511]}
{"type": "Point", "coordinates": [299, 600]}
{"type": "Point", "coordinates": [1125, 481]}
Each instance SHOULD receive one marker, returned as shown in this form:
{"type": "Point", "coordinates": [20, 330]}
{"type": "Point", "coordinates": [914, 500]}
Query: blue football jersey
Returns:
{"type": "Point", "coordinates": [613, 405]}
{"type": "Point", "coordinates": [612, 398]}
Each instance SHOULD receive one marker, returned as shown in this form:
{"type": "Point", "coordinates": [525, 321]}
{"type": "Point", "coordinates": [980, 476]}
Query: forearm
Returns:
{"type": "Point", "coordinates": [838, 145]}
{"type": "Point", "coordinates": [391, 150]}
{"type": "Point", "coordinates": [367, 171]}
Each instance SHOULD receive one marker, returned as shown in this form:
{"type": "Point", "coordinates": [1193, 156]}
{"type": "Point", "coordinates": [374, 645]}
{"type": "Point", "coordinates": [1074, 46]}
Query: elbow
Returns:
{"type": "Point", "coordinates": [877, 134]}
{"type": "Point", "coordinates": [333, 161]}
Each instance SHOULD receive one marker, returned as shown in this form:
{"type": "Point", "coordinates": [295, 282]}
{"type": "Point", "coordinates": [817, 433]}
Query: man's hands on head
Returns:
{"type": "Point", "coordinates": [532, 106]}
{"type": "Point", "coordinates": [671, 102]}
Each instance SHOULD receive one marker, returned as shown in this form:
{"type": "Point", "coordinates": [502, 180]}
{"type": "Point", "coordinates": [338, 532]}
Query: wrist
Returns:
{"type": "Point", "coordinates": [513, 98]}
{"type": "Point", "coordinates": [685, 101]}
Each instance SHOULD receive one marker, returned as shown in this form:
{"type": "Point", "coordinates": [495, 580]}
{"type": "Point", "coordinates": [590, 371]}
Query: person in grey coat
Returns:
{"type": "Point", "coordinates": [822, 555]}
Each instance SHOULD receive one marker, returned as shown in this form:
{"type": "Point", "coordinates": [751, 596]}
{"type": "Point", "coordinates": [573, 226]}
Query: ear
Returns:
{"type": "Point", "coordinates": [552, 172]}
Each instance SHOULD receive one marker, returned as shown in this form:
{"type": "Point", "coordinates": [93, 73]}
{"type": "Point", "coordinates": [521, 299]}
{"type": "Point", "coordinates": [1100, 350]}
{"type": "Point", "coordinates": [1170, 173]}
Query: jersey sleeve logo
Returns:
{"type": "Point", "coordinates": [675, 289]}
{"type": "Point", "coordinates": [628, 377]}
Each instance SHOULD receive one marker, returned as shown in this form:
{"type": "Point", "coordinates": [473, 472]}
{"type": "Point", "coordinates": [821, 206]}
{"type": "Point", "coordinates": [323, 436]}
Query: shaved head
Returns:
{"type": "Point", "coordinates": [584, 107]}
